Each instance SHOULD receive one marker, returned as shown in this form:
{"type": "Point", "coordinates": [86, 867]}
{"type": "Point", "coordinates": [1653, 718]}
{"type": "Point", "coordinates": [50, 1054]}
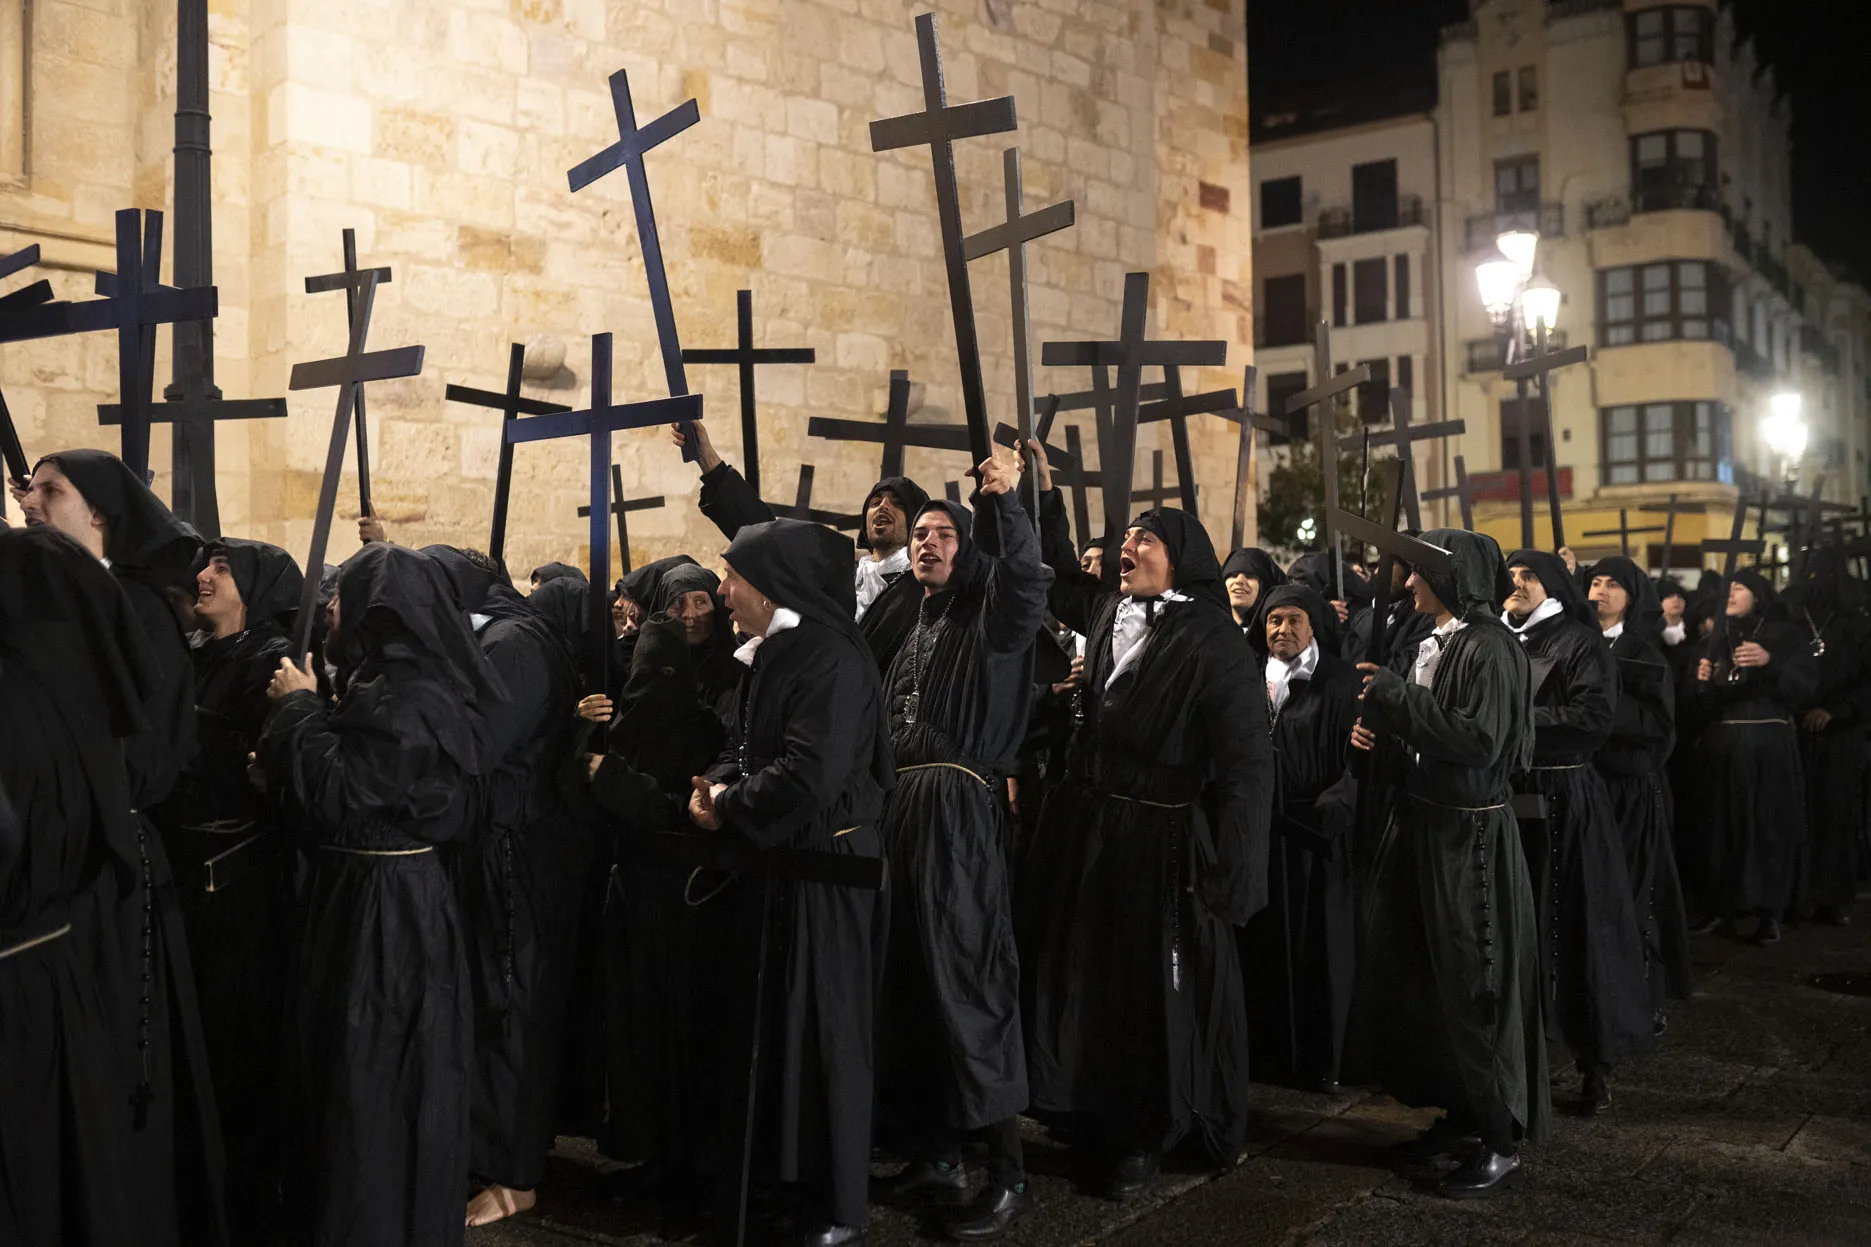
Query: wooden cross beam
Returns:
{"type": "Point", "coordinates": [1459, 491]}
{"type": "Point", "coordinates": [937, 127]}
{"type": "Point", "coordinates": [1734, 547]}
{"type": "Point", "coordinates": [1326, 389]}
{"type": "Point", "coordinates": [29, 295]}
{"type": "Point", "coordinates": [1246, 474]}
{"type": "Point", "coordinates": [1158, 493]}
{"type": "Point", "coordinates": [1130, 355]}
{"type": "Point", "coordinates": [1011, 236]}
{"type": "Point", "coordinates": [620, 507]}
{"type": "Point", "coordinates": [512, 407]}
{"type": "Point", "coordinates": [896, 432]}
{"type": "Point", "coordinates": [596, 424]}
{"type": "Point", "coordinates": [350, 279]}
{"type": "Point", "coordinates": [1539, 369]}
{"type": "Point", "coordinates": [12, 454]}
{"type": "Point", "coordinates": [747, 358]}
{"type": "Point", "coordinates": [1624, 532]}
{"type": "Point", "coordinates": [1669, 532]}
{"type": "Point", "coordinates": [347, 372]}
{"type": "Point", "coordinates": [1404, 436]}
{"type": "Point", "coordinates": [801, 506]}
{"type": "Point", "coordinates": [1176, 407]}
{"type": "Point", "coordinates": [20, 260]}
{"type": "Point", "coordinates": [628, 151]}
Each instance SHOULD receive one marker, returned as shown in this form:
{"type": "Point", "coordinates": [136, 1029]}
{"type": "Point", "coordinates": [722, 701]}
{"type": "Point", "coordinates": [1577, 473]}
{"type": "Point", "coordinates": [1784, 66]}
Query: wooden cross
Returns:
{"type": "Point", "coordinates": [628, 151]}
{"type": "Point", "coordinates": [1326, 389]}
{"type": "Point", "coordinates": [1158, 493]}
{"type": "Point", "coordinates": [1730, 550]}
{"type": "Point", "coordinates": [1459, 491]}
{"type": "Point", "coordinates": [747, 359]}
{"type": "Point", "coordinates": [937, 127]}
{"type": "Point", "coordinates": [1808, 525]}
{"type": "Point", "coordinates": [801, 506]}
{"type": "Point", "coordinates": [348, 372]}
{"type": "Point", "coordinates": [597, 423]}
{"type": "Point", "coordinates": [1539, 369]}
{"type": "Point", "coordinates": [896, 432]}
{"type": "Point", "coordinates": [26, 296]}
{"type": "Point", "coordinates": [1404, 436]}
{"type": "Point", "coordinates": [1624, 532]}
{"type": "Point", "coordinates": [350, 279]}
{"type": "Point", "coordinates": [1130, 355]}
{"type": "Point", "coordinates": [620, 507]}
{"type": "Point", "coordinates": [1669, 532]}
{"type": "Point", "coordinates": [1247, 450]}
{"type": "Point", "coordinates": [1068, 468]}
{"type": "Point", "coordinates": [12, 454]}
{"type": "Point", "coordinates": [512, 407]}
{"type": "Point", "coordinates": [1011, 236]}
{"type": "Point", "coordinates": [137, 304]}
{"type": "Point", "coordinates": [1176, 407]}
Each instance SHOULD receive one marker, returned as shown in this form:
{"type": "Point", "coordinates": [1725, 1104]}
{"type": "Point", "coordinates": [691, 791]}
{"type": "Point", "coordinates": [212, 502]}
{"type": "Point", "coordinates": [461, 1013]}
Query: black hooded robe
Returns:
{"type": "Point", "coordinates": [1597, 993]}
{"type": "Point", "coordinates": [807, 767]}
{"type": "Point", "coordinates": [1450, 982]}
{"type": "Point", "coordinates": [1152, 847]}
{"type": "Point", "coordinates": [380, 1027]}
{"type": "Point", "coordinates": [1310, 922]}
{"type": "Point", "coordinates": [1834, 758]}
{"type": "Point", "coordinates": [950, 1052]}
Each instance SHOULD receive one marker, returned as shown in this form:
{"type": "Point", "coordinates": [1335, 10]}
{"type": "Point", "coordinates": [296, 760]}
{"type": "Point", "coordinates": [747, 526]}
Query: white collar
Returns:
{"type": "Point", "coordinates": [783, 620]}
{"type": "Point", "coordinates": [1615, 631]}
{"type": "Point", "coordinates": [1541, 613]}
{"type": "Point", "coordinates": [1429, 651]}
{"type": "Point", "coordinates": [1131, 629]}
{"type": "Point", "coordinates": [875, 575]}
{"type": "Point", "coordinates": [1673, 634]}
{"type": "Point", "coordinates": [479, 621]}
{"type": "Point", "coordinates": [1281, 673]}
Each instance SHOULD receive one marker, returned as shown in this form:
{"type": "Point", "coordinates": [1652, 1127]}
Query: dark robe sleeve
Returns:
{"type": "Point", "coordinates": [1589, 679]}
{"type": "Point", "coordinates": [1645, 719]}
{"type": "Point", "coordinates": [1791, 676]}
{"type": "Point", "coordinates": [154, 758]}
{"type": "Point", "coordinates": [1848, 699]}
{"type": "Point", "coordinates": [828, 713]}
{"type": "Point", "coordinates": [634, 799]}
{"type": "Point", "coordinates": [526, 676]}
{"type": "Point", "coordinates": [1017, 580]}
{"type": "Point", "coordinates": [730, 501]}
{"type": "Point", "coordinates": [1055, 532]}
{"type": "Point", "coordinates": [379, 762]}
{"type": "Point", "coordinates": [1233, 721]}
{"type": "Point", "coordinates": [1471, 732]}
{"type": "Point", "coordinates": [1074, 596]}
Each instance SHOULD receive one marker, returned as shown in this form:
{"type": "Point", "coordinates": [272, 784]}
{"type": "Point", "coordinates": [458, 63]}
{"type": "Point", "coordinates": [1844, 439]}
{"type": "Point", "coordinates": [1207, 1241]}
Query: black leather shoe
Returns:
{"type": "Point", "coordinates": [1436, 1145]}
{"type": "Point", "coordinates": [1133, 1175]}
{"type": "Point", "coordinates": [1768, 932]}
{"type": "Point", "coordinates": [834, 1236]}
{"type": "Point", "coordinates": [926, 1179]}
{"type": "Point", "coordinates": [992, 1213]}
{"type": "Point", "coordinates": [1594, 1094]}
{"type": "Point", "coordinates": [1481, 1175]}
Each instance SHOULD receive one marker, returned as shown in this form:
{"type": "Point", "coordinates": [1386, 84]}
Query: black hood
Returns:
{"type": "Point", "coordinates": [690, 577]}
{"type": "Point", "coordinates": [478, 583]}
{"type": "Point", "coordinates": [803, 567]}
{"type": "Point", "coordinates": [548, 572]}
{"type": "Point", "coordinates": [661, 727]}
{"type": "Point", "coordinates": [907, 493]}
{"type": "Point", "coordinates": [1763, 592]}
{"type": "Point", "coordinates": [268, 578]}
{"type": "Point", "coordinates": [969, 567]}
{"type": "Point", "coordinates": [1558, 581]}
{"type": "Point", "coordinates": [644, 585]}
{"type": "Point", "coordinates": [1318, 610]}
{"type": "Point", "coordinates": [1646, 607]}
{"type": "Point", "coordinates": [565, 605]}
{"type": "Point", "coordinates": [1256, 563]}
{"type": "Point", "coordinates": [145, 540]}
{"type": "Point", "coordinates": [1827, 586]}
{"type": "Point", "coordinates": [1480, 582]}
{"type": "Point", "coordinates": [1194, 567]}
{"type": "Point", "coordinates": [1315, 572]}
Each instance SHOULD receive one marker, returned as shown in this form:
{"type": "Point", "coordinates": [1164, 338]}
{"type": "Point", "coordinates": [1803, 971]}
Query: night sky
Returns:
{"type": "Point", "coordinates": [1820, 51]}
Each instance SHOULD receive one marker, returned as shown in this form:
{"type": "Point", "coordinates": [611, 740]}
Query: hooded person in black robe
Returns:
{"type": "Point", "coordinates": [546, 573]}
{"type": "Point", "coordinates": [174, 1156]}
{"type": "Point", "coordinates": [1829, 607]}
{"type": "Point", "coordinates": [1755, 672]}
{"type": "Point", "coordinates": [1149, 850]}
{"type": "Point", "coordinates": [1314, 570]}
{"type": "Point", "coordinates": [886, 593]}
{"type": "Point", "coordinates": [1298, 952]}
{"type": "Point", "coordinates": [520, 875]}
{"type": "Point", "coordinates": [1249, 575]}
{"type": "Point", "coordinates": [1634, 763]}
{"type": "Point", "coordinates": [380, 1026]}
{"type": "Point", "coordinates": [949, 1051]}
{"type": "Point", "coordinates": [690, 595]}
{"type": "Point", "coordinates": [73, 667]}
{"type": "Point", "coordinates": [1450, 982]}
{"type": "Point", "coordinates": [1591, 945]}
{"type": "Point", "coordinates": [806, 767]}
{"type": "Point", "coordinates": [233, 867]}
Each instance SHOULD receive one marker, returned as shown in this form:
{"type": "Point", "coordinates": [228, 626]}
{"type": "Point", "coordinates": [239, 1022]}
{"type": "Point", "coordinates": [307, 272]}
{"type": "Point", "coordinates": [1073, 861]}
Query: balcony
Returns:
{"type": "Point", "coordinates": [1345, 222]}
{"type": "Point", "coordinates": [1504, 486]}
{"type": "Point", "coordinates": [1691, 197]}
{"type": "Point", "coordinates": [1547, 220]}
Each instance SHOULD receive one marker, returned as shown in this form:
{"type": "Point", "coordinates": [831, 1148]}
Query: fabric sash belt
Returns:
{"type": "Point", "coordinates": [1570, 766]}
{"type": "Point", "coordinates": [1462, 809]}
{"type": "Point", "coordinates": [338, 848]}
{"type": "Point", "coordinates": [219, 873]}
{"type": "Point", "coordinates": [939, 766]}
{"type": "Point", "coordinates": [1755, 722]}
{"type": "Point", "coordinates": [44, 937]}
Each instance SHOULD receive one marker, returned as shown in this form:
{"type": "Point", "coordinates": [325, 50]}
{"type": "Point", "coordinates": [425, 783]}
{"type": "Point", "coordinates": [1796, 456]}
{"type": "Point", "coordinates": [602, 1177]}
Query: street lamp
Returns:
{"type": "Point", "coordinates": [1541, 299]}
{"type": "Point", "coordinates": [1520, 246]}
{"type": "Point", "coordinates": [1499, 279]}
{"type": "Point", "coordinates": [1784, 430]}
{"type": "Point", "coordinates": [1522, 304]}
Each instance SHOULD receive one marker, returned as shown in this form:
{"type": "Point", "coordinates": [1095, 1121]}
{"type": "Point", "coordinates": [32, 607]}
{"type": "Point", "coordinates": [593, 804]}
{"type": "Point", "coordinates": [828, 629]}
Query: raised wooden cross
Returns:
{"type": "Point", "coordinates": [1539, 369]}
{"type": "Point", "coordinates": [621, 507]}
{"type": "Point", "coordinates": [896, 432]}
{"type": "Point", "coordinates": [511, 406]}
{"type": "Point", "coordinates": [747, 358]}
{"type": "Point", "coordinates": [1323, 394]}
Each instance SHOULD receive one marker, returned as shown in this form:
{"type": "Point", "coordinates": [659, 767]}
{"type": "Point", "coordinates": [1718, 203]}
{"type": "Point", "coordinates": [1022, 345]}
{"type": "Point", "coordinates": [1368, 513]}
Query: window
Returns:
{"type": "Point", "coordinates": [1677, 32]}
{"type": "Point", "coordinates": [1664, 442]}
{"type": "Point", "coordinates": [1283, 310]}
{"type": "Point", "coordinates": [1673, 169]}
{"type": "Point", "coordinates": [1662, 302]}
{"type": "Point", "coordinates": [1371, 290]}
{"type": "Point", "coordinates": [1510, 433]}
{"type": "Point", "coordinates": [1402, 285]}
{"type": "Point", "coordinates": [1374, 395]}
{"type": "Point", "coordinates": [1280, 203]}
{"type": "Point", "coordinates": [1517, 184]}
{"type": "Point", "coordinates": [1529, 88]}
{"type": "Point", "coordinates": [1503, 93]}
{"type": "Point", "coordinates": [1339, 298]}
{"type": "Point", "coordinates": [1374, 196]}
{"type": "Point", "coordinates": [1406, 374]}
{"type": "Point", "coordinates": [1280, 387]}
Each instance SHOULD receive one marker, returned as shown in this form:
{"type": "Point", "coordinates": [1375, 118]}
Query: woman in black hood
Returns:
{"type": "Point", "coordinates": [1249, 575]}
{"type": "Point", "coordinates": [548, 572]}
{"type": "Point", "coordinates": [1755, 673]}
{"type": "Point", "coordinates": [380, 1142]}
{"type": "Point", "coordinates": [690, 594]}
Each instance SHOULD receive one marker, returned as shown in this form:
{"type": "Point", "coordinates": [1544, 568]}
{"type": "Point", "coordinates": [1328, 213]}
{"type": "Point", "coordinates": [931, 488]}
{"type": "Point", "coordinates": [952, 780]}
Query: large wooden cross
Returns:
{"type": "Point", "coordinates": [1669, 532]}
{"type": "Point", "coordinates": [1404, 436]}
{"type": "Point", "coordinates": [747, 358]}
{"type": "Point", "coordinates": [1176, 407]}
{"type": "Point", "coordinates": [1158, 493]}
{"type": "Point", "coordinates": [12, 454]}
{"type": "Point", "coordinates": [937, 127]}
{"type": "Point", "coordinates": [511, 406]}
{"type": "Point", "coordinates": [1011, 236]}
{"type": "Point", "coordinates": [1624, 532]}
{"type": "Point", "coordinates": [1731, 551]}
{"type": "Point", "coordinates": [801, 506]}
{"type": "Point", "coordinates": [348, 372]}
{"type": "Point", "coordinates": [1458, 491]}
{"type": "Point", "coordinates": [621, 507]}
{"type": "Point", "coordinates": [597, 423]}
{"type": "Point", "coordinates": [628, 151]}
{"type": "Point", "coordinates": [1324, 394]}
{"type": "Point", "coordinates": [1539, 369]}
{"type": "Point", "coordinates": [896, 433]}
{"type": "Point", "coordinates": [1247, 453]}
{"type": "Point", "coordinates": [350, 279]}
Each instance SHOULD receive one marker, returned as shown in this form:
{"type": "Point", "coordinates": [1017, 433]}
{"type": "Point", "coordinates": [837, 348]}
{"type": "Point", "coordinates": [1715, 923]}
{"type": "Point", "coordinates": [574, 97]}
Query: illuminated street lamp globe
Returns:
{"type": "Point", "coordinates": [1520, 246]}
{"type": "Point", "coordinates": [1784, 430]}
{"type": "Point", "coordinates": [1541, 298]}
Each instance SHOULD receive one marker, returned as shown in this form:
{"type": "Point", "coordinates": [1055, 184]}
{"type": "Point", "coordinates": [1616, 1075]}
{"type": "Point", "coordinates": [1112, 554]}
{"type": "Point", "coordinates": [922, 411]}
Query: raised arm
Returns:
{"type": "Point", "coordinates": [727, 498]}
{"type": "Point", "coordinates": [1017, 582]}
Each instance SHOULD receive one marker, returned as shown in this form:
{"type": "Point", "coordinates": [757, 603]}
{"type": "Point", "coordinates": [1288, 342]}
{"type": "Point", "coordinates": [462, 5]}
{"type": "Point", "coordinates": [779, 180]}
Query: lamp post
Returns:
{"type": "Point", "coordinates": [1521, 302]}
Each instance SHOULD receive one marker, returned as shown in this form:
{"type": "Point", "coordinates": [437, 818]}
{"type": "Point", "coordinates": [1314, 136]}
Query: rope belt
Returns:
{"type": "Point", "coordinates": [1155, 805]}
{"type": "Point", "coordinates": [847, 831]}
{"type": "Point", "coordinates": [1576, 766]}
{"type": "Point", "coordinates": [223, 827]}
{"type": "Point", "coordinates": [935, 766]}
{"type": "Point", "coordinates": [333, 848]}
{"type": "Point", "coordinates": [688, 889]}
{"type": "Point", "coordinates": [1462, 809]}
{"type": "Point", "coordinates": [35, 941]}
{"type": "Point", "coordinates": [1754, 722]}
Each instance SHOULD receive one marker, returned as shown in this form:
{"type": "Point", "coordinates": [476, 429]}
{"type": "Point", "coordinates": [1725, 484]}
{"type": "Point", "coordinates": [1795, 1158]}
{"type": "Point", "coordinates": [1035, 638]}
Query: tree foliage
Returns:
{"type": "Point", "coordinates": [1292, 503]}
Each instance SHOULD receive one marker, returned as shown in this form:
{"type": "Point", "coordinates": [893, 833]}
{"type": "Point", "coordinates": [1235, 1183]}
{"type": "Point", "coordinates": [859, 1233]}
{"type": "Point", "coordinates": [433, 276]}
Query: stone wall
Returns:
{"type": "Point", "coordinates": [442, 133]}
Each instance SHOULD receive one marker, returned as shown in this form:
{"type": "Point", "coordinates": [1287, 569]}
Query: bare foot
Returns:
{"type": "Point", "coordinates": [497, 1202]}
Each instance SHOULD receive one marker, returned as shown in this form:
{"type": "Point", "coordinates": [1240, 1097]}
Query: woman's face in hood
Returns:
{"type": "Point", "coordinates": [1740, 599]}
{"type": "Point", "coordinates": [696, 611]}
{"type": "Point", "coordinates": [1143, 566]}
{"type": "Point", "coordinates": [1243, 592]}
{"type": "Point", "coordinates": [51, 499]}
